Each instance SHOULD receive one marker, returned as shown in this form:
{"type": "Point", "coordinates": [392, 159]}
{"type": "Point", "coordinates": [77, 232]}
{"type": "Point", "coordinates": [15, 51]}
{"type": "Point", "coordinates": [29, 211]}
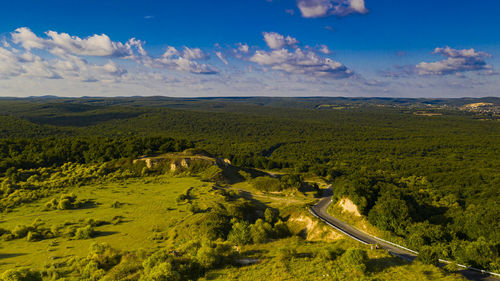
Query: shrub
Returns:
{"type": "Point", "coordinates": [427, 255]}
{"type": "Point", "coordinates": [33, 236]}
{"type": "Point", "coordinates": [23, 274]}
{"type": "Point", "coordinates": [64, 204]}
{"type": "Point", "coordinates": [85, 232]}
{"type": "Point", "coordinates": [20, 231]}
{"type": "Point", "coordinates": [116, 204]}
{"type": "Point", "coordinates": [260, 231]}
{"type": "Point", "coordinates": [240, 233]}
{"type": "Point", "coordinates": [161, 272]}
{"type": "Point", "coordinates": [281, 229]}
{"type": "Point", "coordinates": [355, 258]}
{"type": "Point", "coordinates": [270, 216]}
{"type": "Point", "coordinates": [207, 256]}
{"type": "Point", "coordinates": [105, 256]}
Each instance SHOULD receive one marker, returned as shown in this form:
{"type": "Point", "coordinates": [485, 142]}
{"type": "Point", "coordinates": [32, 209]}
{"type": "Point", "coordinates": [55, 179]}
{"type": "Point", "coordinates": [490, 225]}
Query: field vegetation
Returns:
{"type": "Point", "coordinates": [80, 199]}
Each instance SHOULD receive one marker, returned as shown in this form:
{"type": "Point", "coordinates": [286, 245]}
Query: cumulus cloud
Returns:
{"type": "Point", "coordinates": [184, 60]}
{"type": "Point", "coordinates": [276, 41]}
{"type": "Point", "coordinates": [323, 8]}
{"type": "Point", "coordinates": [14, 63]}
{"type": "Point", "coordinates": [457, 61]}
{"type": "Point", "coordinates": [243, 48]}
{"type": "Point", "coordinates": [69, 49]}
{"type": "Point", "coordinates": [297, 60]}
{"type": "Point", "coordinates": [324, 49]}
{"type": "Point", "coordinates": [61, 43]}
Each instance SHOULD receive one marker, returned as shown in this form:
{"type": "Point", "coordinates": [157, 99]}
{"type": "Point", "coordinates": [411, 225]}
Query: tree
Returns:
{"type": "Point", "coordinates": [427, 255]}
{"type": "Point", "coordinates": [240, 233]}
{"type": "Point", "coordinates": [390, 213]}
{"type": "Point", "coordinates": [160, 272]}
{"type": "Point", "coordinates": [355, 258]}
{"type": "Point", "coordinates": [270, 216]}
{"type": "Point", "coordinates": [207, 256]}
{"type": "Point", "coordinates": [260, 231]}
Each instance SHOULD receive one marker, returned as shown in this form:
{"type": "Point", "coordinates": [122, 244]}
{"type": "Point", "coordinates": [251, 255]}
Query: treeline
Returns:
{"type": "Point", "coordinates": [464, 229]}
{"type": "Point", "coordinates": [49, 152]}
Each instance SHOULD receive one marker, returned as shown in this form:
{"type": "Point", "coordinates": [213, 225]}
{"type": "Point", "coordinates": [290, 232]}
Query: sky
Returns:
{"type": "Point", "coordinates": [195, 48]}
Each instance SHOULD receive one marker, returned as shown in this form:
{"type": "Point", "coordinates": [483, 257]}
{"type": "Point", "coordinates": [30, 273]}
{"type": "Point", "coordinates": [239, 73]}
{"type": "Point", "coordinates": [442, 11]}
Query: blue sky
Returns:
{"type": "Point", "coordinates": [250, 47]}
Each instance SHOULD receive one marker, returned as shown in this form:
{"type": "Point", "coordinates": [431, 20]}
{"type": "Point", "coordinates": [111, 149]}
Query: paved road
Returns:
{"type": "Point", "coordinates": [320, 210]}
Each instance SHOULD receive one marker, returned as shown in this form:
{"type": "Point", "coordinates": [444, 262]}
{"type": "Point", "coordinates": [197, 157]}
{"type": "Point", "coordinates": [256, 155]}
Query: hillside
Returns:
{"type": "Point", "coordinates": [425, 175]}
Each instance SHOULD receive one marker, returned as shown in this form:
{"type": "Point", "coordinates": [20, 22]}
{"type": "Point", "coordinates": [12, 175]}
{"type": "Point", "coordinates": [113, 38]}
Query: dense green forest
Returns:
{"type": "Point", "coordinates": [431, 180]}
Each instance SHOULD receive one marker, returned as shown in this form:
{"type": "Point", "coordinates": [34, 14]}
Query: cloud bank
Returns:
{"type": "Point", "coordinates": [457, 61]}
{"type": "Point", "coordinates": [70, 53]}
{"type": "Point", "coordinates": [286, 57]}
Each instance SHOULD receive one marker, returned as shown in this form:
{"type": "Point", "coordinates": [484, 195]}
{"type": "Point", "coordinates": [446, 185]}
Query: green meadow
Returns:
{"type": "Point", "coordinates": [144, 206]}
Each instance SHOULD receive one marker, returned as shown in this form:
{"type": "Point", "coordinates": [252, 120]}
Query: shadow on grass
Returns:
{"type": "Point", "coordinates": [104, 233]}
{"type": "Point", "coordinates": [12, 255]}
{"type": "Point", "coordinates": [87, 204]}
{"type": "Point", "coordinates": [381, 264]}
{"type": "Point", "coordinates": [213, 276]}
{"type": "Point", "coordinates": [251, 253]}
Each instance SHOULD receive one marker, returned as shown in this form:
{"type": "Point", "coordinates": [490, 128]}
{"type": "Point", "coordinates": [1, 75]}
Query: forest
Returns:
{"type": "Point", "coordinates": [429, 181]}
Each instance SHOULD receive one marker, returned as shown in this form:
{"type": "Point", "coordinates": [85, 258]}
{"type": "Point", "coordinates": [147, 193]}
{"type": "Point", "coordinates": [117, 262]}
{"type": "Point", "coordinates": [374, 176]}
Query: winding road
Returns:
{"type": "Point", "coordinates": [320, 211]}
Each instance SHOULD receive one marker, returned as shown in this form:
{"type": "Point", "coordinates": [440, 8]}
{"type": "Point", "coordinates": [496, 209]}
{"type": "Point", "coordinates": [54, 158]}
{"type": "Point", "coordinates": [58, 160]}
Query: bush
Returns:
{"type": "Point", "coordinates": [281, 229]}
{"type": "Point", "coordinates": [33, 236]}
{"type": "Point", "coordinates": [270, 216]}
{"type": "Point", "coordinates": [23, 274]}
{"type": "Point", "coordinates": [116, 204]}
{"type": "Point", "coordinates": [240, 233]}
{"type": "Point", "coordinates": [207, 256]}
{"type": "Point", "coordinates": [355, 258]}
{"type": "Point", "coordinates": [20, 231]}
{"type": "Point", "coordinates": [260, 231]}
{"type": "Point", "coordinates": [158, 266]}
{"type": "Point", "coordinates": [105, 256]}
{"type": "Point", "coordinates": [85, 232]}
{"type": "Point", "coordinates": [427, 255]}
{"type": "Point", "coordinates": [64, 204]}
{"type": "Point", "coordinates": [161, 272]}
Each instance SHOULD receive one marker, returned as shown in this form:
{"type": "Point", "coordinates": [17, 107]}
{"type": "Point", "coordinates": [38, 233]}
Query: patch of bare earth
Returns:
{"type": "Point", "coordinates": [348, 206]}
{"type": "Point", "coordinates": [311, 229]}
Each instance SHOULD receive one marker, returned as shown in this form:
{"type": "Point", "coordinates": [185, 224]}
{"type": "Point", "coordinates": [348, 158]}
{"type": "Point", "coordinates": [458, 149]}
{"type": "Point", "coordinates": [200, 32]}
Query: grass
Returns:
{"type": "Point", "coordinates": [145, 214]}
{"type": "Point", "coordinates": [146, 206]}
{"type": "Point", "coordinates": [302, 260]}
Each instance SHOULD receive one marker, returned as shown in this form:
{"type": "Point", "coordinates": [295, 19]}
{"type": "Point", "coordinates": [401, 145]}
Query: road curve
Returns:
{"type": "Point", "coordinates": [320, 211]}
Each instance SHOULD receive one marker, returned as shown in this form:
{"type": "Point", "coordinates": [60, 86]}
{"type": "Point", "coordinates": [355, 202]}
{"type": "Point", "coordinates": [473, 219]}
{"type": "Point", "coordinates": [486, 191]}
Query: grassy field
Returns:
{"type": "Point", "coordinates": [296, 259]}
{"type": "Point", "coordinates": [146, 215]}
{"type": "Point", "coordinates": [146, 207]}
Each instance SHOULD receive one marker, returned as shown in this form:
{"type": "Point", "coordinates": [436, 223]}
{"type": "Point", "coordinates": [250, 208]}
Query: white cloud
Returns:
{"type": "Point", "coordinates": [62, 43]}
{"type": "Point", "coordinates": [180, 61]}
{"type": "Point", "coordinates": [324, 49]}
{"type": "Point", "coordinates": [243, 48]}
{"type": "Point", "coordinates": [301, 62]}
{"type": "Point", "coordinates": [286, 57]}
{"type": "Point", "coordinates": [69, 47]}
{"type": "Point", "coordinates": [13, 64]}
{"type": "Point", "coordinates": [222, 58]}
{"type": "Point", "coordinates": [457, 61]}
{"type": "Point", "coordinates": [276, 41]}
{"type": "Point", "coordinates": [323, 8]}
